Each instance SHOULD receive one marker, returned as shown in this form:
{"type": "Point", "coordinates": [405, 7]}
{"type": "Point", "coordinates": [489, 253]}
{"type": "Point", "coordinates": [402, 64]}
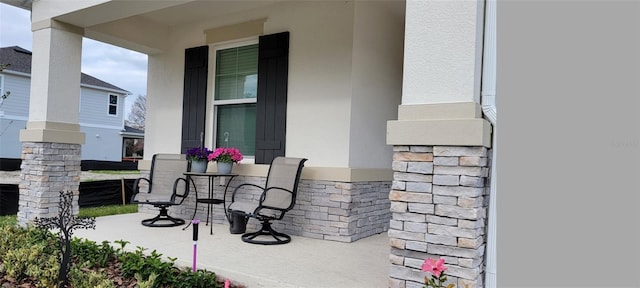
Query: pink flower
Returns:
{"type": "Point", "coordinates": [226, 283]}
{"type": "Point", "coordinates": [228, 155]}
{"type": "Point", "coordinates": [434, 267]}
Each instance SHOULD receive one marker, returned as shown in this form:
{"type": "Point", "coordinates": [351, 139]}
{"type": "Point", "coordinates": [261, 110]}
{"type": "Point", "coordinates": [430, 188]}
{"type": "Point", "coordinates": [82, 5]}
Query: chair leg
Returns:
{"type": "Point", "coordinates": [279, 238]}
{"type": "Point", "coordinates": [163, 216]}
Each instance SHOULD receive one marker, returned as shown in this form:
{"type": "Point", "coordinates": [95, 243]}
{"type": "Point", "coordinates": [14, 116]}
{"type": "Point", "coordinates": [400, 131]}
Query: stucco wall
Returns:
{"type": "Point", "coordinates": [443, 59]}
{"type": "Point", "coordinates": [342, 88]}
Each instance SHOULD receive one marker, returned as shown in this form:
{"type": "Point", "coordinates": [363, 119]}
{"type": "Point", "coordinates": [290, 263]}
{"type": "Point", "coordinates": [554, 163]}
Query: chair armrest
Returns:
{"type": "Point", "coordinates": [136, 188]}
{"type": "Point", "coordinates": [175, 190]}
{"type": "Point", "coordinates": [233, 195]}
{"type": "Point", "coordinates": [136, 184]}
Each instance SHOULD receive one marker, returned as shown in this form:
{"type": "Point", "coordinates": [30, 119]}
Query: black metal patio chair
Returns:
{"type": "Point", "coordinates": [276, 198]}
{"type": "Point", "coordinates": [164, 188]}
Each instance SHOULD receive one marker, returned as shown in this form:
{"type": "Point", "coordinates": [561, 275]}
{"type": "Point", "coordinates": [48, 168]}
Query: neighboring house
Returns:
{"type": "Point", "coordinates": [383, 98]}
{"type": "Point", "coordinates": [101, 115]}
{"type": "Point", "coordinates": [132, 144]}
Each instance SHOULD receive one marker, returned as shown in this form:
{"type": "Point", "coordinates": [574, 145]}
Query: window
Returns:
{"type": "Point", "coordinates": [113, 105]}
{"type": "Point", "coordinates": [236, 82]}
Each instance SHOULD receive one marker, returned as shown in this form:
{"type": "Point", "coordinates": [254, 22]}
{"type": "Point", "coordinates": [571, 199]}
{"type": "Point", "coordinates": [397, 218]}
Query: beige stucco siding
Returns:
{"type": "Point", "coordinates": [342, 87]}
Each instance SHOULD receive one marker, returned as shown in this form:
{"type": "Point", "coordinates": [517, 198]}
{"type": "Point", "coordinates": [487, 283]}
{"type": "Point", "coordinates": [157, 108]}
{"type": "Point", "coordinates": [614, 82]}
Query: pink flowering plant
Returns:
{"type": "Point", "coordinates": [436, 268]}
{"type": "Point", "coordinates": [226, 155]}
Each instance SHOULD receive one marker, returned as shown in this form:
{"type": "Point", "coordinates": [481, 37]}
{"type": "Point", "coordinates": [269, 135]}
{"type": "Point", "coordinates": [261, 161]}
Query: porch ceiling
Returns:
{"type": "Point", "coordinates": [129, 24]}
{"type": "Point", "coordinates": [164, 13]}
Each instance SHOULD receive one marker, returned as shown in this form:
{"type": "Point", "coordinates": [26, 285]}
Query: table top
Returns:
{"type": "Point", "coordinates": [209, 174]}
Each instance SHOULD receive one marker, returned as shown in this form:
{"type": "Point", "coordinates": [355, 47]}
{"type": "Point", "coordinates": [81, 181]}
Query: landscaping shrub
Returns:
{"type": "Point", "coordinates": [30, 255]}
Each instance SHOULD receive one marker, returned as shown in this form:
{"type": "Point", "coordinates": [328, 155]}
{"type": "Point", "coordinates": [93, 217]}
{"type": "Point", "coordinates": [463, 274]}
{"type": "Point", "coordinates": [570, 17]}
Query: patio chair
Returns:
{"type": "Point", "coordinates": [276, 198]}
{"type": "Point", "coordinates": [166, 187]}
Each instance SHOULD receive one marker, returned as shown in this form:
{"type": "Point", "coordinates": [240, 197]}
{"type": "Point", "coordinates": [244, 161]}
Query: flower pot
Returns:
{"type": "Point", "coordinates": [199, 166]}
{"type": "Point", "coordinates": [224, 167]}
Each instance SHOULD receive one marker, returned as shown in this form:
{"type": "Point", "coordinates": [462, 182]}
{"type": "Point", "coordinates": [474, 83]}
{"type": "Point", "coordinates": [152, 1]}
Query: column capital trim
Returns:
{"type": "Point", "coordinates": [55, 24]}
{"type": "Point", "coordinates": [55, 132]}
{"type": "Point", "coordinates": [455, 124]}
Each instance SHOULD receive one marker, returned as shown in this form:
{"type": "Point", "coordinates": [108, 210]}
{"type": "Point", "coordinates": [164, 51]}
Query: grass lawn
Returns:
{"type": "Point", "coordinates": [107, 210]}
{"type": "Point", "coordinates": [86, 212]}
{"type": "Point", "coordinates": [115, 172]}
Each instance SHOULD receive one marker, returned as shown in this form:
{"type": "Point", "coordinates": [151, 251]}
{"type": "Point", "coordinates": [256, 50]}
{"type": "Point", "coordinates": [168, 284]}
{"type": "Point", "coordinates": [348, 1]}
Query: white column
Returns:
{"type": "Point", "coordinates": [443, 51]}
{"type": "Point", "coordinates": [51, 142]}
{"type": "Point", "coordinates": [55, 85]}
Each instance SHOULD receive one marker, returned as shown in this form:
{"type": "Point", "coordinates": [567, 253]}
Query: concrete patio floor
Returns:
{"type": "Point", "coordinates": [304, 262]}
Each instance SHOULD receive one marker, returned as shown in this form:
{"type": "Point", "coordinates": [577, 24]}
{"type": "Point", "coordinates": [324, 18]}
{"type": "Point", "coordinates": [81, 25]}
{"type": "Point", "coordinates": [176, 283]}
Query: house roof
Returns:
{"type": "Point", "coordinates": [131, 132]}
{"type": "Point", "coordinates": [19, 60]}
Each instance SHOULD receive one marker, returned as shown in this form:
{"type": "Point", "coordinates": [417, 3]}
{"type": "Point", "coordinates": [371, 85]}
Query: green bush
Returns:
{"type": "Point", "coordinates": [200, 278]}
{"type": "Point", "coordinates": [81, 278]}
{"type": "Point", "coordinates": [29, 254]}
{"type": "Point", "coordinates": [145, 265]}
{"type": "Point", "coordinates": [90, 255]}
{"type": "Point", "coordinates": [32, 254]}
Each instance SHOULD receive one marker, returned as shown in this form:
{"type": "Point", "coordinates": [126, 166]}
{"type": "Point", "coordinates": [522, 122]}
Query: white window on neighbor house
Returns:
{"type": "Point", "coordinates": [113, 105]}
{"type": "Point", "coordinates": [235, 96]}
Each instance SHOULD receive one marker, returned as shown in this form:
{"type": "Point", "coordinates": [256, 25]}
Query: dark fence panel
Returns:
{"type": "Point", "coordinates": [8, 199]}
{"type": "Point", "coordinates": [107, 192]}
{"type": "Point", "coordinates": [11, 164]}
{"type": "Point", "coordinates": [87, 165]}
{"type": "Point", "coordinates": [92, 194]}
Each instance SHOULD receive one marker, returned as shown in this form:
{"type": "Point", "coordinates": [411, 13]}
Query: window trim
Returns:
{"type": "Point", "coordinates": [248, 159]}
{"type": "Point", "coordinates": [109, 104]}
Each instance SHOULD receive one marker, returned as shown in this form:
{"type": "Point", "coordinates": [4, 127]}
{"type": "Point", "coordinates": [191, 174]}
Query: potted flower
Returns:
{"type": "Point", "coordinates": [199, 158]}
{"type": "Point", "coordinates": [225, 157]}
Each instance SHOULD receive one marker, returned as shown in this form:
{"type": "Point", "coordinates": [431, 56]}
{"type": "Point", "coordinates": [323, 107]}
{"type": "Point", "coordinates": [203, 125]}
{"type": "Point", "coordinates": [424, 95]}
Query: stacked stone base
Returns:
{"type": "Point", "coordinates": [439, 202]}
{"type": "Point", "coordinates": [327, 210]}
{"type": "Point", "coordinates": [47, 168]}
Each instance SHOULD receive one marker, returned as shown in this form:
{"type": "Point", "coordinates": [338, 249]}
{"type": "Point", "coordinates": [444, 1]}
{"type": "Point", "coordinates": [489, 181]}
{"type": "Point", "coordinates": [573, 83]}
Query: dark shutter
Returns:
{"type": "Point", "coordinates": [271, 111]}
{"type": "Point", "coordinates": [194, 103]}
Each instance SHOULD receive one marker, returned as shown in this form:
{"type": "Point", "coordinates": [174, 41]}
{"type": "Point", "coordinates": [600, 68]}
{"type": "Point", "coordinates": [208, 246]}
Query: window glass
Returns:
{"type": "Point", "coordinates": [236, 79]}
{"type": "Point", "coordinates": [113, 105]}
{"type": "Point", "coordinates": [236, 127]}
{"type": "Point", "coordinates": [237, 73]}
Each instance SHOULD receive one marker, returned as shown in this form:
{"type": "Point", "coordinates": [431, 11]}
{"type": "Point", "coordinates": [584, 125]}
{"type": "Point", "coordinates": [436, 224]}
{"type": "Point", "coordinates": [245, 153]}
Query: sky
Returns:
{"type": "Point", "coordinates": [121, 67]}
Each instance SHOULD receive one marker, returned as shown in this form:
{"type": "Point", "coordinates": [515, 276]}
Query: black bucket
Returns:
{"type": "Point", "coordinates": [238, 222]}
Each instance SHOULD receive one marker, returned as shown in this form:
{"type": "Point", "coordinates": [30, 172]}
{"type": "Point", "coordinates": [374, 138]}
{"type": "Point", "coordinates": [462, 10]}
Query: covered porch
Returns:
{"type": "Point", "coordinates": [382, 97]}
{"type": "Point", "coordinates": [304, 262]}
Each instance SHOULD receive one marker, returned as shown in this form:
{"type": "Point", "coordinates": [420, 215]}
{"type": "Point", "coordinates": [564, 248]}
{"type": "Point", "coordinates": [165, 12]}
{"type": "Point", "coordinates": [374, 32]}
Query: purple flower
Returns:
{"type": "Point", "coordinates": [198, 154]}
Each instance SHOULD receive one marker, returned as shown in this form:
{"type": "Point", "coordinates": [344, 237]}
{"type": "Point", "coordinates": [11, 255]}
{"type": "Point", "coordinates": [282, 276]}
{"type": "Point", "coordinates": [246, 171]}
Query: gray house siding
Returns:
{"type": "Point", "coordinates": [94, 108]}
{"type": "Point", "coordinates": [14, 114]}
{"type": "Point", "coordinates": [103, 138]}
{"type": "Point", "coordinates": [103, 144]}
{"type": "Point", "coordinates": [17, 104]}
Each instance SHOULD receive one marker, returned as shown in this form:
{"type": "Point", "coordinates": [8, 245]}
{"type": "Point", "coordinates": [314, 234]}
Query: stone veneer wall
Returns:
{"type": "Point", "coordinates": [47, 169]}
{"type": "Point", "coordinates": [439, 202]}
{"type": "Point", "coordinates": [326, 210]}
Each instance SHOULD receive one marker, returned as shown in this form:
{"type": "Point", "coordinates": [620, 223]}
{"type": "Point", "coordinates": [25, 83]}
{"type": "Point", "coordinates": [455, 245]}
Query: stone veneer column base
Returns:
{"type": "Point", "coordinates": [439, 200]}
{"type": "Point", "coordinates": [47, 168]}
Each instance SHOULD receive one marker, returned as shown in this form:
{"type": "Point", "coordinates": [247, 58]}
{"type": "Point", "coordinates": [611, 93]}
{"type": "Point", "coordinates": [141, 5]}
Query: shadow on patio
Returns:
{"type": "Point", "coordinates": [304, 262]}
